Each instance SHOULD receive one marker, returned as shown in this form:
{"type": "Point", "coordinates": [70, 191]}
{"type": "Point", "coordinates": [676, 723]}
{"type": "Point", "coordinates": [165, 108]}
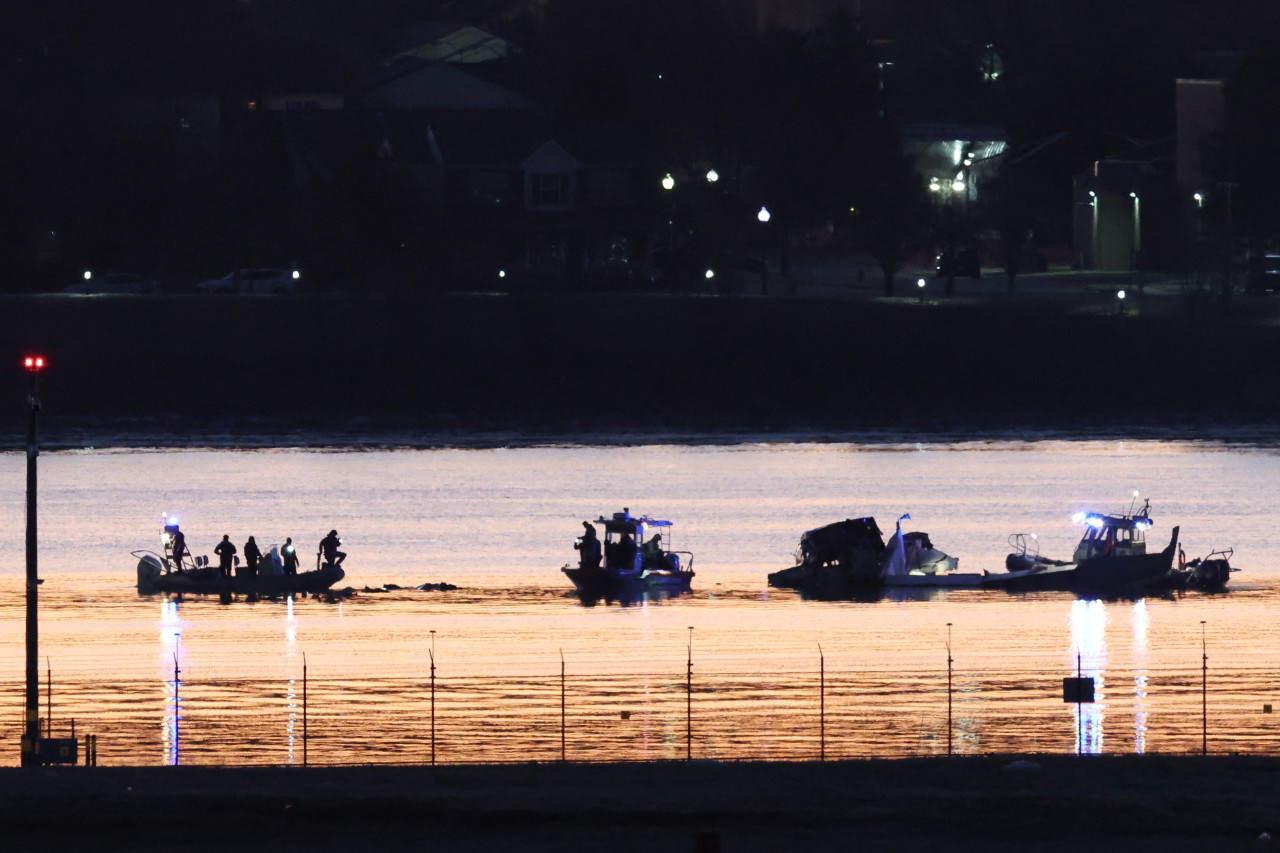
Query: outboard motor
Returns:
{"type": "Point", "coordinates": [149, 571]}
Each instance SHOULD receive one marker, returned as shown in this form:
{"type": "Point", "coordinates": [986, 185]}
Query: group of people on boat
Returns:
{"type": "Point", "coordinates": [622, 553]}
{"type": "Point", "coordinates": [285, 562]}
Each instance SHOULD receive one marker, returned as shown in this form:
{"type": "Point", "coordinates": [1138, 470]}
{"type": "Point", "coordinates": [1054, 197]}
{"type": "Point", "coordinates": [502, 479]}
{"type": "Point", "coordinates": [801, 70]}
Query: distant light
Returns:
{"type": "Point", "coordinates": [1092, 194]}
{"type": "Point", "coordinates": [764, 215]}
{"type": "Point", "coordinates": [668, 182]}
{"type": "Point", "coordinates": [1133, 195]}
{"type": "Point", "coordinates": [1033, 536]}
{"type": "Point", "coordinates": [173, 519]}
{"type": "Point", "coordinates": [502, 273]}
{"type": "Point", "coordinates": [957, 186]}
{"type": "Point", "coordinates": [34, 363]}
{"type": "Point", "coordinates": [1199, 197]}
{"type": "Point", "coordinates": [88, 274]}
{"type": "Point", "coordinates": [1078, 518]}
{"type": "Point", "coordinates": [1094, 521]}
{"type": "Point", "coordinates": [296, 275]}
{"type": "Point", "coordinates": [659, 76]}
{"type": "Point", "coordinates": [934, 185]}
{"type": "Point", "coordinates": [712, 176]}
{"type": "Point", "coordinates": [709, 274]}
{"type": "Point", "coordinates": [1119, 294]}
{"type": "Point", "coordinates": [919, 282]}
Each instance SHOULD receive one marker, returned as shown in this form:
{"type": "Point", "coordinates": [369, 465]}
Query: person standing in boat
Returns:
{"type": "Point", "coordinates": [225, 551]}
{"type": "Point", "coordinates": [290, 557]}
{"type": "Point", "coordinates": [179, 547]}
{"type": "Point", "coordinates": [652, 557]}
{"type": "Point", "coordinates": [329, 548]}
{"type": "Point", "coordinates": [588, 547]}
{"type": "Point", "coordinates": [251, 557]}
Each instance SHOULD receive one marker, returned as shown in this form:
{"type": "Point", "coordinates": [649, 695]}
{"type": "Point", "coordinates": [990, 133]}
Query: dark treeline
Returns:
{"type": "Point", "coordinates": [808, 119]}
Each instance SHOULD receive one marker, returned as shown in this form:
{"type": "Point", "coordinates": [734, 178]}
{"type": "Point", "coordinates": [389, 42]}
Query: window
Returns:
{"type": "Point", "coordinates": [550, 189]}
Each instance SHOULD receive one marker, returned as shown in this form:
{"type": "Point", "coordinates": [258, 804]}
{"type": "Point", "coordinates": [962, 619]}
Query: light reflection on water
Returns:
{"type": "Point", "coordinates": [499, 525]}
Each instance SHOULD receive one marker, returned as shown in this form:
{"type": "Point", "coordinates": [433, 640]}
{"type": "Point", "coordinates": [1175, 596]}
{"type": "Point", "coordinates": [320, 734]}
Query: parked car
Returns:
{"type": "Point", "coordinates": [959, 262]}
{"type": "Point", "coordinates": [116, 282]}
{"type": "Point", "coordinates": [253, 280]}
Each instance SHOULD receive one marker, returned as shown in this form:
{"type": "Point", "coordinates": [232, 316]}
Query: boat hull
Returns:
{"type": "Point", "coordinates": [596, 584]}
{"type": "Point", "coordinates": [153, 580]}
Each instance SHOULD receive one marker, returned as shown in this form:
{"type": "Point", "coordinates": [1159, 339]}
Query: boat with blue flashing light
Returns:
{"type": "Point", "coordinates": [174, 570]}
{"type": "Point", "coordinates": [1110, 559]}
{"type": "Point", "coordinates": [625, 565]}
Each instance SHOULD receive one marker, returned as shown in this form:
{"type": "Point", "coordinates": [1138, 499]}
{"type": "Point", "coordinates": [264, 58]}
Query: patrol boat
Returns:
{"type": "Point", "coordinates": [628, 566]}
{"type": "Point", "coordinates": [181, 573]}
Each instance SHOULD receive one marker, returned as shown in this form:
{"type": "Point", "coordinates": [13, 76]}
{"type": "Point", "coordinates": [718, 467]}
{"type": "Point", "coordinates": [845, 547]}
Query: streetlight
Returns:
{"type": "Point", "coordinates": [1136, 263]}
{"type": "Point", "coordinates": [712, 176]}
{"type": "Point", "coordinates": [668, 182]}
{"type": "Point", "coordinates": [763, 216]}
{"type": "Point", "coordinates": [31, 731]}
{"type": "Point", "coordinates": [1093, 244]}
{"type": "Point", "coordinates": [1120, 301]}
{"type": "Point", "coordinates": [920, 287]}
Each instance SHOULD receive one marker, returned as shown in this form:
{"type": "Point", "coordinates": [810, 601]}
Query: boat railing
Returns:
{"type": "Point", "coordinates": [164, 561]}
{"type": "Point", "coordinates": [684, 565]}
{"type": "Point", "coordinates": [1025, 544]}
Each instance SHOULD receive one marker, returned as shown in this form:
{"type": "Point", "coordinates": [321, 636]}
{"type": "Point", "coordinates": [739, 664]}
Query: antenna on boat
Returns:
{"type": "Point", "coordinates": [1133, 503]}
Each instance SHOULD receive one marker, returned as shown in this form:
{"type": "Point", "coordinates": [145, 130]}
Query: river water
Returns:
{"type": "Point", "coordinates": [523, 671]}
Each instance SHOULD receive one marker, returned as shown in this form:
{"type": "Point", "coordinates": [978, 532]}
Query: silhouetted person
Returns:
{"type": "Point", "coordinates": [588, 547]}
{"type": "Point", "coordinates": [653, 552]}
{"type": "Point", "coordinates": [289, 556]}
{"type": "Point", "coordinates": [225, 552]}
{"type": "Point", "coordinates": [251, 557]}
{"type": "Point", "coordinates": [179, 548]}
{"type": "Point", "coordinates": [626, 551]}
{"type": "Point", "coordinates": [329, 547]}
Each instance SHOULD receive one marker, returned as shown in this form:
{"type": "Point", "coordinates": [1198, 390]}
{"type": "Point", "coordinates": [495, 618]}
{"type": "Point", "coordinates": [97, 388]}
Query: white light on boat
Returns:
{"type": "Point", "coordinates": [1078, 518]}
{"type": "Point", "coordinates": [173, 519]}
{"type": "Point", "coordinates": [1094, 521]}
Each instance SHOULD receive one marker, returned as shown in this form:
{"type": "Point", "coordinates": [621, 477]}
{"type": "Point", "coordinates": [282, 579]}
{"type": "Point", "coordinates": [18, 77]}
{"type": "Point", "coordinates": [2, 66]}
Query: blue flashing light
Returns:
{"type": "Point", "coordinates": [1095, 521]}
{"type": "Point", "coordinates": [1079, 518]}
{"type": "Point", "coordinates": [173, 519]}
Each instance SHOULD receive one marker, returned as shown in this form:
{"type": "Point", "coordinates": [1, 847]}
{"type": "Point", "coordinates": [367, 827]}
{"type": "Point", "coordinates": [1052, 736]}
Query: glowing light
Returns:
{"type": "Point", "coordinates": [709, 274]}
{"type": "Point", "coordinates": [1199, 197]}
{"type": "Point", "coordinates": [1094, 521]}
{"type": "Point", "coordinates": [712, 176]}
{"type": "Point", "coordinates": [1119, 294]}
{"type": "Point", "coordinates": [919, 282]}
{"type": "Point", "coordinates": [957, 186]}
{"type": "Point", "coordinates": [33, 363]}
{"type": "Point", "coordinates": [88, 274]}
{"type": "Point", "coordinates": [934, 185]}
{"type": "Point", "coordinates": [502, 273]}
{"type": "Point", "coordinates": [1078, 518]}
{"type": "Point", "coordinates": [296, 275]}
{"type": "Point", "coordinates": [173, 519]}
{"type": "Point", "coordinates": [668, 182]}
{"type": "Point", "coordinates": [764, 215]}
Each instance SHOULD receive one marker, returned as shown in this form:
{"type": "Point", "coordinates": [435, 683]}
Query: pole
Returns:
{"type": "Point", "coordinates": [304, 709]}
{"type": "Point", "coordinates": [1204, 692]}
{"type": "Point", "coordinates": [48, 698]}
{"type": "Point", "coordinates": [688, 702]}
{"type": "Point", "coordinates": [177, 709]}
{"type": "Point", "coordinates": [32, 729]}
{"type": "Point", "coordinates": [433, 698]}
{"type": "Point", "coordinates": [1079, 707]}
{"type": "Point", "coordinates": [949, 688]}
{"type": "Point", "coordinates": [822, 706]}
{"type": "Point", "coordinates": [562, 705]}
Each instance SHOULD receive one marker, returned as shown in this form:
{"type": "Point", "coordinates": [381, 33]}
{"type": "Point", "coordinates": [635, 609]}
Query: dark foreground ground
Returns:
{"type": "Point", "coordinates": [1057, 804]}
{"type": "Point", "coordinates": [446, 369]}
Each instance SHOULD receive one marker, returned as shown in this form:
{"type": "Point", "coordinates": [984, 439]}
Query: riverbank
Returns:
{"type": "Point", "coordinates": [1053, 803]}
{"type": "Point", "coordinates": [548, 368]}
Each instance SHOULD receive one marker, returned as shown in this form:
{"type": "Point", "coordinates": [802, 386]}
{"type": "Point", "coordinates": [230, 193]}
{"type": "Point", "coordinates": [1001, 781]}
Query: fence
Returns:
{"type": "Point", "coordinates": [309, 714]}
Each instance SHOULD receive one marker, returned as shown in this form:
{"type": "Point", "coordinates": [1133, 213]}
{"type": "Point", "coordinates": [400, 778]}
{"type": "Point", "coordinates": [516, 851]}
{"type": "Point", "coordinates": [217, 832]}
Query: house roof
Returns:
{"type": "Point", "coordinates": [443, 42]}
{"type": "Point", "coordinates": [415, 84]}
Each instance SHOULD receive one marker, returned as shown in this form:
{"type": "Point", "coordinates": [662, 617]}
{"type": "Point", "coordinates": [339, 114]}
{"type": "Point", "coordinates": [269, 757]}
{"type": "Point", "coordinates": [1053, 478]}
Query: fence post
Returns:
{"type": "Point", "coordinates": [433, 698]}
{"type": "Point", "coordinates": [822, 706]}
{"type": "Point", "coordinates": [1204, 692]}
{"type": "Point", "coordinates": [949, 662]}
{"type": "Point", "coordinates": [688, 702]}
{"type": "Point", "coordinates": [562, 720]}
{"type": "Point", "coordinates": [177, 710]}
{"type": "Point", "coordinates": [304, 709]}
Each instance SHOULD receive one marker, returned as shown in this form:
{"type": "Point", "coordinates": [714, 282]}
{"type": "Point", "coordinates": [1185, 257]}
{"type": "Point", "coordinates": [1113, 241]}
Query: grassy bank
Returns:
{"type": "Point", "coordinates": [572, 364]}
{"type": "Point", "coordinates": [1056, 803]}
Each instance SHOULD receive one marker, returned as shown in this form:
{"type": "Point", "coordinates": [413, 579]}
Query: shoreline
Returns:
{"type": "Point", "coordinates": [961, 803]}
{"type": "Point", "coordinates": [105, 437]}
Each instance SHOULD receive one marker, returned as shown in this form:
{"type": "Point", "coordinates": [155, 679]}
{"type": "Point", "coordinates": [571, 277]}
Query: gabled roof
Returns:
{"type": "Point", "coordinates": [415, 84]}
{"type": "Point", "coordinates": [455, 43]}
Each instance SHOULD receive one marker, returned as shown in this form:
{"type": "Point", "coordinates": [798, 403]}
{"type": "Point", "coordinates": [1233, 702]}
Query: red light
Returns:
{"type": "Point", "coordinates": [34, 362]}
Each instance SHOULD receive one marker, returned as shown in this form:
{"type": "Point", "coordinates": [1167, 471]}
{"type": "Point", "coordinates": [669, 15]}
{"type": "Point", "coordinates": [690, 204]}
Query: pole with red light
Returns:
{"type": "Point", "coordinates": [31, 731]}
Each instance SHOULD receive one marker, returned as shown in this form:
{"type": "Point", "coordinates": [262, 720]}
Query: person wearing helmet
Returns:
{"type": "Point", "coordinates": [329, 548]}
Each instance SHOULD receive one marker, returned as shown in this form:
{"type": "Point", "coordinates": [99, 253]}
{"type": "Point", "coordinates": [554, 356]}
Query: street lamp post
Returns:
{"type": "Point", "coordinates": [1137, 238]}
{"type": "Point", "coordinates": [1093, 243]}
{"type": "Point", "coordinates": [31, 731]}
{"type": "Point", "coordinates": [763, 216]}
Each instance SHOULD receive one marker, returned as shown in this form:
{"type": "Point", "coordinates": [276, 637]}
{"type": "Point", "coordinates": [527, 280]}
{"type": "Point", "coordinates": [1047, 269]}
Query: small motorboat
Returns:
{"type": "Point", "coordinates": [174, 571]}
{"type": "Point", "coordinates": [624, 565]}
{"type": "Point", "coordinates": [1111, 559]}
{"type": "Point", "coordinates": [1206, 574]}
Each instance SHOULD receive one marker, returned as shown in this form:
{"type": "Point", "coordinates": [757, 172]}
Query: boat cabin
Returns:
{"type": "Point", "coordinates": [1112, 535]}
{"type": "Point", "coordinates": [629, 545]}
